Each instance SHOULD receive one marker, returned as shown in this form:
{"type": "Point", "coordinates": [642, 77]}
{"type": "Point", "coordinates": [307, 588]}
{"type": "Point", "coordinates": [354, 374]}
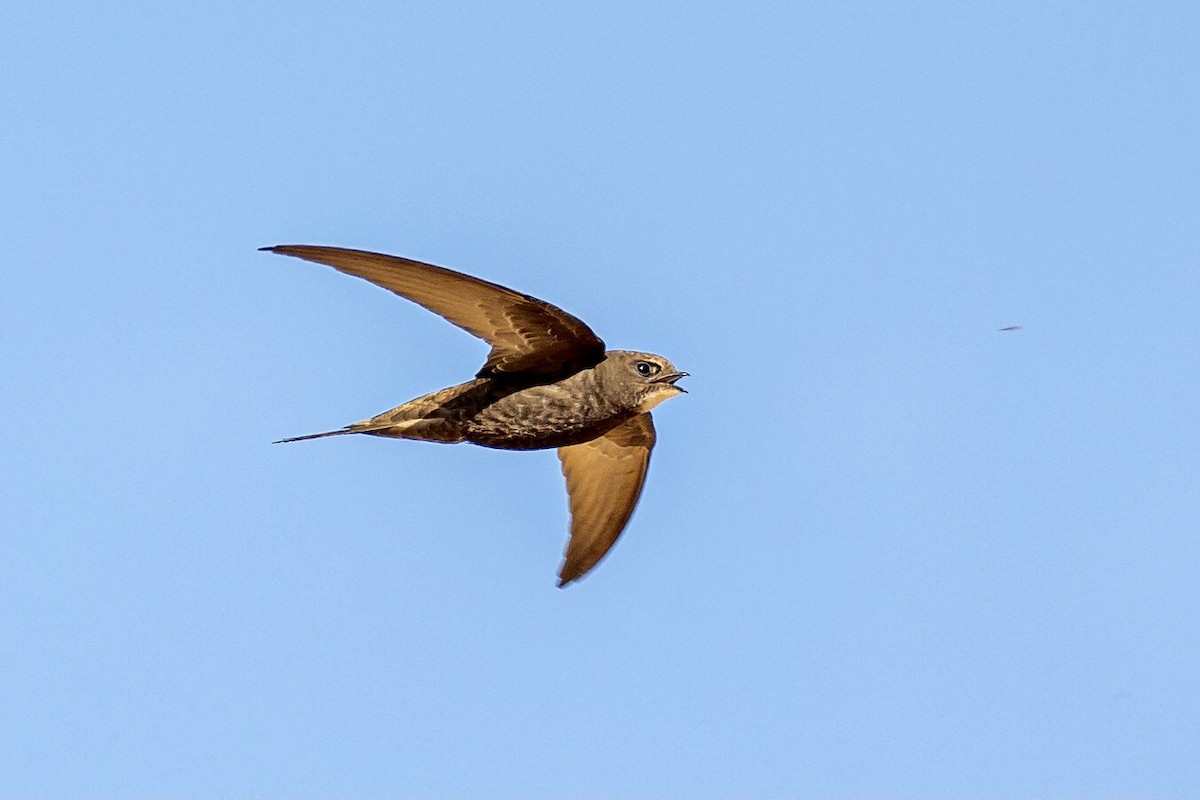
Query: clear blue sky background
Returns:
{"type": "Point", "coordinates": [885, 549]}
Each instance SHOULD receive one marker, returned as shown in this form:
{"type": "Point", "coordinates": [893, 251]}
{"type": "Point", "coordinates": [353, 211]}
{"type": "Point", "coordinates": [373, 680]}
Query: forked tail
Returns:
{"type": "Point", "coordinates": [307, 436]}
{"type": "Point", "coordinates": [435, 417]}
{"type": "Point", "coordinates": [429, 430]}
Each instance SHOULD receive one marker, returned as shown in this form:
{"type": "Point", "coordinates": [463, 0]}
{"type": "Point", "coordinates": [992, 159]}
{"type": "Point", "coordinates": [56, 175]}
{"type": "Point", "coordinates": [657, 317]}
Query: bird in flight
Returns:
{"type": "Point", "coordinates": [547, 382]}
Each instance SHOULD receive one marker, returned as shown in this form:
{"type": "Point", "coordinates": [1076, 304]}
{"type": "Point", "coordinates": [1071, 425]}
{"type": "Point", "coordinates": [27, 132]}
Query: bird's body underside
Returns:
{"type": "Point", "coordinates": [497, 414]}
{"type": "Point", "coordinates": [547, 383]}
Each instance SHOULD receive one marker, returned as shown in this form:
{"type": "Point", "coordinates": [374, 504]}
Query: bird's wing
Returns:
{"type": "Point", "coordinates": [604, 480]}
{"type": "Point", "coordinates": [528, 336]}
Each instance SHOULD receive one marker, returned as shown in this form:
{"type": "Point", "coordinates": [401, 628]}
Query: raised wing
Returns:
{"type": "Point", "coordinates": [604, 480]}
{"type": "Point", "coordinates": [529, 337]}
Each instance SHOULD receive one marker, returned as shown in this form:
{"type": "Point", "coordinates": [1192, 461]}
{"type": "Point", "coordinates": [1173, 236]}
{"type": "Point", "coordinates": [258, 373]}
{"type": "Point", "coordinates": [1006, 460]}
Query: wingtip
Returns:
{"type": "Point", "coordinates": [294, 250]}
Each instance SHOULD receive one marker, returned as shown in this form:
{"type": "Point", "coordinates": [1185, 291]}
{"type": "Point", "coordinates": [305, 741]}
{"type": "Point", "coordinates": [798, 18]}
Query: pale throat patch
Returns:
{"type": "Point", "coordinates": [660, 393]}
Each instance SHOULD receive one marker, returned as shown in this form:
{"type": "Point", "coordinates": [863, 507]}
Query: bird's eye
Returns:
{"type": "Point", "coordinates": [646, 369]}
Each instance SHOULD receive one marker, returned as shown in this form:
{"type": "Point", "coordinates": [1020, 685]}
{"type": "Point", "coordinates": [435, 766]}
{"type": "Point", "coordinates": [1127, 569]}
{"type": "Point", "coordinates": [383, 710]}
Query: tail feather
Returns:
{"type": "Point", "coordinates": [432, 430]}
{"type": "Point", "coordinates": [308, 436]}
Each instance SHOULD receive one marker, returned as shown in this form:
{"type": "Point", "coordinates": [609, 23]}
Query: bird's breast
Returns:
{"type": "Point", "coordinates": [553, 415]}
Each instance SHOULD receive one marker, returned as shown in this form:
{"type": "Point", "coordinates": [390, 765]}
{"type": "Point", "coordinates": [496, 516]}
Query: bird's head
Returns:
{"type": "Point", "coordinates": [645, 379]}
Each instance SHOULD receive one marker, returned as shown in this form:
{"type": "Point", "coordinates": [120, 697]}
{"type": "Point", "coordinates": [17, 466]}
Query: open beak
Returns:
{"type": "Point", "coordinates": [670, 378]}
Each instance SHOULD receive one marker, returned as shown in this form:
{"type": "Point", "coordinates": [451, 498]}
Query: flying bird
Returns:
{"type": "Point", "coordinates": [547, 382]}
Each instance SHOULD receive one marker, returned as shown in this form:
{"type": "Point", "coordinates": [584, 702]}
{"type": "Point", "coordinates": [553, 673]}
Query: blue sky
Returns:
{"type": "Point", "coordinates": [885, 550]}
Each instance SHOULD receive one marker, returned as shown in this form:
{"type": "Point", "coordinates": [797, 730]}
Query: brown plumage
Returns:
{"type": "Point", "coordinates": [547, 382]}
